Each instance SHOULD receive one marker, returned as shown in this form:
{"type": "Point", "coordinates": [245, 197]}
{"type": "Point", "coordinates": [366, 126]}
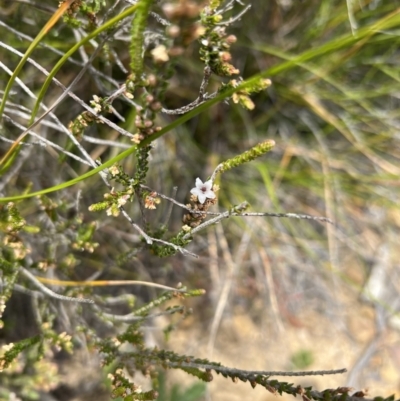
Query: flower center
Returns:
{"type": "Point", "coordinates": [203, 189]}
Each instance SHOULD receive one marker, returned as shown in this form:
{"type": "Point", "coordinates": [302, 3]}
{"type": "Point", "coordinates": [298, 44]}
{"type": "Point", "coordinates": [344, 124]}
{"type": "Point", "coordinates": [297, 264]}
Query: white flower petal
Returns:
{"type": "Point", "coordinates": [208, 185]}
{"type": "Point", "coordinates": [210, 194]}
{"type": "Point", "coordinates": [202, 197]}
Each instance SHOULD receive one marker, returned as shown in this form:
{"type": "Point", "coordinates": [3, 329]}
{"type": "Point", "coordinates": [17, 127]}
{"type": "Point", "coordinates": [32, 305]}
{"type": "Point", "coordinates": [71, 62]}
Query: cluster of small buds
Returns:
{"type": "Point", "coordinates": [114, 170]}
{"type": "Point", "coordinates": [151, 200]}
{"type": "Point", "coordinates": [150, 105]}
{"type": "Point", "coordinates": [100, 105]}
{"type": "Point", "coordinates": [124, 388]}
{"type": "Point", "coordinates": [16, 248]}
{"type": "Point", "coordinates": [88, 10]}
{"type": "Point", "coordinates": [73, 8]}
{"type": "Point", "coordinates": [215, 44]}
{"type": "Point", "coordinates": [45, 265]}
{"type": "Point", "coordinates": [131, 84]}
{"type": "Point", "coordinates": [80, 123]}
{"type": "Point", "coordinates": [242, 96]}
{"type": "Point", "coordinates": [118, 174]}
{"type": "Point", "coordinates": [113, 201]}
{"type": "Point", "coordinates": [63, 341]}
{"type": "Point", "coordinates": [82, 245]}
{"type": "Point", "coordinates": [202, 198]}
{"type": "Point", "coordinates": [185, 28]}
{"type": "Point", "coordinates": [71, 12]}
{"type": "Point", "coordinates": [87, 118]}
{"type": "Point", "coordinates": [4, 362]}
{"type": "Point", "coordinates": [183, 9]}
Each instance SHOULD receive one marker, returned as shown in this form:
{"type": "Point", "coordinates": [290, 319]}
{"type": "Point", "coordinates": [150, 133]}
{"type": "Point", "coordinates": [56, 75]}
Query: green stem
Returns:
{"type": "Point", "coordinates": [136, 49]}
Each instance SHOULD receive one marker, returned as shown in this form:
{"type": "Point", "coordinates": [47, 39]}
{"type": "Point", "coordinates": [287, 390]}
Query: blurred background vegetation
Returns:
{"type": "Point", "coordinates": [282, 294]}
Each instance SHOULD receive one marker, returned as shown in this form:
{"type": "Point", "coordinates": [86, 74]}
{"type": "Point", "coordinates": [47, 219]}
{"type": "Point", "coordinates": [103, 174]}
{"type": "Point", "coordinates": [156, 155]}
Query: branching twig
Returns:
{"type": "Point", "coordinates": [51, 293]}
{"type": "Point", "coordinates": [203, 97]}
{"type": "Point", "coordinates": [285, 215]}
{"type": "Point", "coordinates": [183, 251]}
{"type": "Point", "coordinates": [108, 283]}
{"type": "Point", "coordinates": [150, 240]}
{"type": "Point", "coordinates": [236, 17]}
{"type": "Point", "coordinates": [250, 375]}
{"type": "Point", "coordinates": [216, 171]}
{"type": "Point", "coordinates": [105, 142]}
{"type": "Point", "coordinates": [132, 317]}
{"type": "Point", "coordinates": [233, 212]}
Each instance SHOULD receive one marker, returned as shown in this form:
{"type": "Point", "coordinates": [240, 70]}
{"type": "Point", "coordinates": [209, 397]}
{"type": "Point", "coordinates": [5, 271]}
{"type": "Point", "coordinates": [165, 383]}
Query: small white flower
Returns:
{"type": "Point", "coordinates": [203, 190]}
